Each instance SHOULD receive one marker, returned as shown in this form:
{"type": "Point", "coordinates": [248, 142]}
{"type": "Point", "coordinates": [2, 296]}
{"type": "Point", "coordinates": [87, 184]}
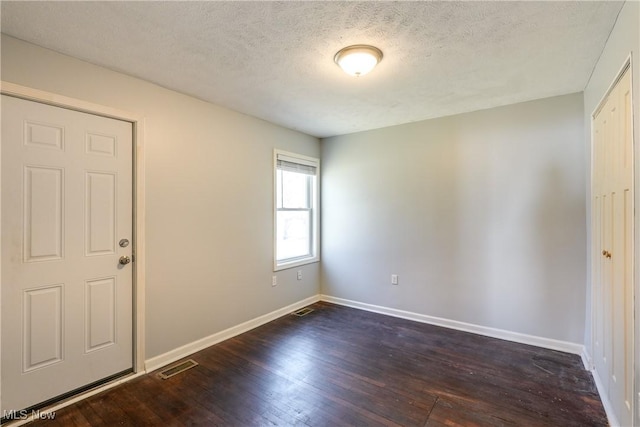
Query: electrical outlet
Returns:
{"type": "Point", "coordinates": [299, 274]}
{"type": "Point", "coordinates": [394, 279]}
{"type": "Point", "coordinates": [274, 280]}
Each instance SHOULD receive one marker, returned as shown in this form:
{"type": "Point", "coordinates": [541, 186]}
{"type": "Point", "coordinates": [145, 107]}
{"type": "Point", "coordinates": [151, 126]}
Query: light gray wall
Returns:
{"type": "Point", "coordinates": [624, 40]}
{"type": "Point", "coordinates": [481, 215]}
{"type": "Point", "coordinates": [208, 194]}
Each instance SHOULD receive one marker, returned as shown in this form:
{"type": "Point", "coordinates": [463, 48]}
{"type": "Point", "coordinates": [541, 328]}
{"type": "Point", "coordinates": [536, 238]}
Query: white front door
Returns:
{"type": "Point", "coordinates": [66, 205]}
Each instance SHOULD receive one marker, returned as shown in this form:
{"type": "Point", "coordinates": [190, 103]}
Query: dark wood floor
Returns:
{"type": "Point", "coordinates": [339, 366]}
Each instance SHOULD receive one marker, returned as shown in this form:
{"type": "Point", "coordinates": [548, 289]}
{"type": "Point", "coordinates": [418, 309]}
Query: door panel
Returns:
{"type": "Point", "coordinates": [42, 343]}
{"type": "Point", "coordinates": [101, 313]}
{"type": "Point", "coordinates": [100, 213]}
{"type": "Point", "coordinates": [43, 213]}
{"type": "Point", "coordinates": [66, 202]}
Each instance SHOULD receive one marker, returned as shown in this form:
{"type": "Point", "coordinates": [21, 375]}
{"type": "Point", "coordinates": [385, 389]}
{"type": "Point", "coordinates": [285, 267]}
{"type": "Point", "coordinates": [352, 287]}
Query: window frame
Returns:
{"type": "Point", "coordinates": [314, 227]}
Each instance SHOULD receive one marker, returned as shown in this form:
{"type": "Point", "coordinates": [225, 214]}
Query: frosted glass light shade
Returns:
{"type": "Point", "coordinates": [358, 60]}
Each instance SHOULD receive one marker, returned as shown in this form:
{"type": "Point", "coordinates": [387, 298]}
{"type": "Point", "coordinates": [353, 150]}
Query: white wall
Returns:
{"type": "Point", "coordinates": [208, 195]}
{"type": "Point", "coordinates": [481, 215]}
{"type": "Point", "coordinates": [624, 39]}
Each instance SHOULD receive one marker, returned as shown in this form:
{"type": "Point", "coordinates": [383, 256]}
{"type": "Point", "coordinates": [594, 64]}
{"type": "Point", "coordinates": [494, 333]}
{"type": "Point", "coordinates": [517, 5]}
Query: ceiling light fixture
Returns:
{"type": "Point", "coordinates": [359, 59]}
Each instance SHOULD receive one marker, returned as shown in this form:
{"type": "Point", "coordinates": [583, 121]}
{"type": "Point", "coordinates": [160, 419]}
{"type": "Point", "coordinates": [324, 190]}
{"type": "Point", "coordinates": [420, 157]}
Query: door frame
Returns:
{"type": "Point", "coordinates": [635, 285]}
{"type": "Point", "coordinates": [138, 175]}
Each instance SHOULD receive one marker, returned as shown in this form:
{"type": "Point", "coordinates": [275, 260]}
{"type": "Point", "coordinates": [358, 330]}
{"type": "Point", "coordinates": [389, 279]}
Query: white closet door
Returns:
{"type": "Point", "coordinates": [612, 231]}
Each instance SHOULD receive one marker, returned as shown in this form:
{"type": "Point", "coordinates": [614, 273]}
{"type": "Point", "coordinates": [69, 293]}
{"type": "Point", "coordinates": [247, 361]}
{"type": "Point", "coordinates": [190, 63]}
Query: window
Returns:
{"type": "Point", "coordinates": [296, 210]}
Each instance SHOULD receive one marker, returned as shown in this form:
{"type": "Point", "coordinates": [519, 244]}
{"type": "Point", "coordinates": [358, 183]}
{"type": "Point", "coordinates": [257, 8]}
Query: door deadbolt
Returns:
{"type": "Point", "coordinates": [123, 243]}
{"type": "Point", "coordinates": [124, 260]}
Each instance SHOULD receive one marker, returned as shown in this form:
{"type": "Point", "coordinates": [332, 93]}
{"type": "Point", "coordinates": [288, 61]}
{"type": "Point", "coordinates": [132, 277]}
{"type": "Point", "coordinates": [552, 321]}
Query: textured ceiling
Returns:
{"type": "Point", "coordinates": [274, 60]}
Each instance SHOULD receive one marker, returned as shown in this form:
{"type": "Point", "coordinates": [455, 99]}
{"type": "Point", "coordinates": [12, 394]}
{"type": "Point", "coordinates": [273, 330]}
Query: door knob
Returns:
{"type": "Point", "coordinates": [608, 255]}
{"type": "Point", "coordinates": [124, 260]}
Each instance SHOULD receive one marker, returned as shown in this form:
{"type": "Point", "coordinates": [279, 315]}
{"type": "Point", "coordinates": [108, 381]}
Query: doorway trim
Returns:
{"type": "Point", "coordinates": [138, 175]}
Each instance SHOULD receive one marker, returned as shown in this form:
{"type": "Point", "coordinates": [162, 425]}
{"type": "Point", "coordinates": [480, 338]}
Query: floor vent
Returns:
{"type": "Point", "coordinates": [177, 368]}
{"type": "Point", "coordinates": [302, 312]}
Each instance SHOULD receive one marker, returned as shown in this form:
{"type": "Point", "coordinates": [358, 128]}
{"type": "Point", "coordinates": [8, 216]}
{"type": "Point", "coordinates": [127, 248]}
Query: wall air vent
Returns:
{"type": "Point", "coordinates": [177, 368]}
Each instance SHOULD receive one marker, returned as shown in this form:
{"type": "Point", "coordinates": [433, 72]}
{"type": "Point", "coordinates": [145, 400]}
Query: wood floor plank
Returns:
{"type": "Point", "coordinates": [341, 366]}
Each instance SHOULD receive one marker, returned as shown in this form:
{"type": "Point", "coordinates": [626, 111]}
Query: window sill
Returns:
{"type": "Point", "coordinates": [296, 263]}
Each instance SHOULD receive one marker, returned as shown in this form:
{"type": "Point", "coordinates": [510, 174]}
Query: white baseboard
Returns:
{"type": "Point", "coordinates": [184, 351]}
{"type": "Point", "coordinates": [608, 408]}
{"type": "Point", "coordinates": [586, 359]}
{"type": "Point", "coordinates": [549, 343]}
